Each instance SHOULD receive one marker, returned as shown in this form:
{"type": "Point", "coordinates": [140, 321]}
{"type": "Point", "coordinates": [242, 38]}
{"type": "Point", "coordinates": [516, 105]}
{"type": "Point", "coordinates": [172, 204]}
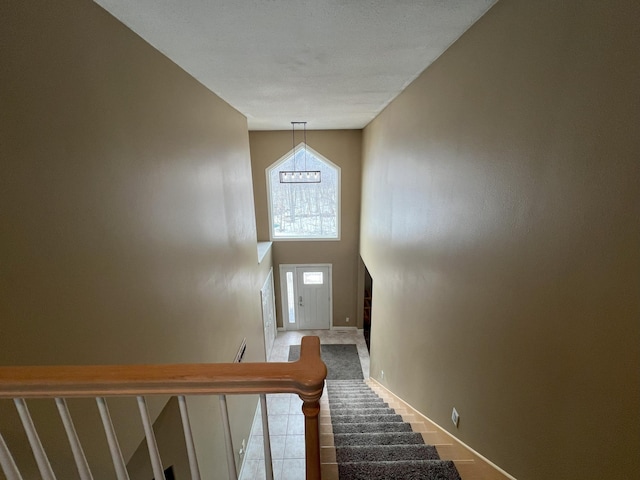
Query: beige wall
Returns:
{"type": "Point", "coordinates": [500, 223]}
{"type": "Point", "coordinates": [342, 147]}
{"type": "Point", "coordinates": [127, 232]}
{"type": "Point", "coordinates": [168, 425]}
{"type": "Point", "coordinates": [171, 446]}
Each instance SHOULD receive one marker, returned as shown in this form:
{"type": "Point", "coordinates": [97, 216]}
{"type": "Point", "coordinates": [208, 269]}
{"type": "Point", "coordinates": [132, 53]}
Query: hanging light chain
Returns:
{"type": "Point", "coordinates": [295, 175]}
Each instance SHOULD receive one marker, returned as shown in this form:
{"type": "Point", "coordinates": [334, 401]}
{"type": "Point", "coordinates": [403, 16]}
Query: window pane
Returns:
{"type": "Point", "coordinates": [312, 278]}
{"type": "Point", "coordinates": [304, 210]}
{"type": "Point", "coordinates": [290, 300]}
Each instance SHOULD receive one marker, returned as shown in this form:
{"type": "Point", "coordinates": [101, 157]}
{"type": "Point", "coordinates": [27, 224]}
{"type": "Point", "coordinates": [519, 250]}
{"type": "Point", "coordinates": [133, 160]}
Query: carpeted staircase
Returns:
{"type": "Point", "coordinates": [372, 442]}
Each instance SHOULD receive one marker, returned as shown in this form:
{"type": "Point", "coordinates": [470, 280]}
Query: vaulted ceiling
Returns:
{"type": "Point", "coordinates": [333, 63]}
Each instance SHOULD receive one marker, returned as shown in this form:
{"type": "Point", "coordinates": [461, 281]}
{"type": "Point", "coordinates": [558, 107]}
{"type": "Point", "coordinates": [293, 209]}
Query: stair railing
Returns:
{"type": "Point", "coordinates": [304, 377]}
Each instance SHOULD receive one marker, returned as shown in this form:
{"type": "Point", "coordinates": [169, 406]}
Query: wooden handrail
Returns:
{"type": "Point", "coordinates": [304, 378]}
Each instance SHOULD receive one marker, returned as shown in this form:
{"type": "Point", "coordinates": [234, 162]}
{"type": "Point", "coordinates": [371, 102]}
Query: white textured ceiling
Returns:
{"type": "Point", "coordinates": [333, 63]}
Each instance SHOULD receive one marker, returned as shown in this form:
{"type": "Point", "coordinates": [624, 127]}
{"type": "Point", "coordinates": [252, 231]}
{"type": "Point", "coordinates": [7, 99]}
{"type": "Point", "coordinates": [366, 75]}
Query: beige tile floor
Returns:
{"type": "Point", "coordinates": [286, 421]}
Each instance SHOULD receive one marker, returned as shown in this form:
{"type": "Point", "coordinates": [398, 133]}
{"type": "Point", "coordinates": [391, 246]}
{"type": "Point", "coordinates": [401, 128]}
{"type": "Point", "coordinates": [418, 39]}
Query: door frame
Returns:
{"type": "Point", "coordinates": [291, 267]}
{"type": "Point", "coordinates": [268, 287]}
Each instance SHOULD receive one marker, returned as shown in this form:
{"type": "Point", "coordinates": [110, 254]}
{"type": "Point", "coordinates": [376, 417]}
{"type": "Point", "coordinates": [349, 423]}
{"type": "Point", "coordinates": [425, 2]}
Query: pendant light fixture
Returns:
{"type": "Point", "coordinates": [295, 175]}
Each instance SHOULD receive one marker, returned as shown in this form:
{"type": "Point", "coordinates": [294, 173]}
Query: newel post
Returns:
{"type": "Point", "coordinates": [312, 374]}
{"type": "Point", "coordinates": [311, 409]}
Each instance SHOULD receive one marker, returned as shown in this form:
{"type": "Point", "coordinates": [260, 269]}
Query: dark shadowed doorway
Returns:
{"type": "Point", "coordinates": [368, 298]}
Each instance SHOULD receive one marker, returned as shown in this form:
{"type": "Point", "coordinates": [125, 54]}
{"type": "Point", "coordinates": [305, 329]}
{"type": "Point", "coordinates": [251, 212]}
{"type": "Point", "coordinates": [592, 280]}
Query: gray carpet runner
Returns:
{"type": "Point", "coordinates": [373, 443]}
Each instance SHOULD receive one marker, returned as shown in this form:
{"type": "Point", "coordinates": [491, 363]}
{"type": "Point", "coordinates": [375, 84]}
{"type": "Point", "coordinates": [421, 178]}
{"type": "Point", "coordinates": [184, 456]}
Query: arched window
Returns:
{"type": "Point", "coordinates": [304, 211]}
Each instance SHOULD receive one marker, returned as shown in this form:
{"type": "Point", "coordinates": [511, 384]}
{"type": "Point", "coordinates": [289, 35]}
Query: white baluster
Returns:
{"type": "Point", "coordinates": [268, 464]}
{"type": "Point", "coordinates": [36, 446]}
{"type": "Point", "coordinates": [152, 445]}
{"type": "Point", "coordinates": [231, 462]}
{"type": "Point", "coordinates": [6, 462]}
{"type": "Point", "coordinates": [188, 438]}
{"type": "Point", "coordinates": [112, 440]}
{"type": "Point", "coordinates": [74, 442]}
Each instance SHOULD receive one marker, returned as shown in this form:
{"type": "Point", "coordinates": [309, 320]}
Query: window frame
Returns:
{"type": "Point", "coordinates": [324, 159]}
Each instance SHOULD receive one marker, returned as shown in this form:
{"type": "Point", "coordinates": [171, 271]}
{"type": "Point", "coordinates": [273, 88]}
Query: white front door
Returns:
{"type": "Point", "coordinates": [313, 297]}
{"type": "Point", "coordinates": [268, 313]}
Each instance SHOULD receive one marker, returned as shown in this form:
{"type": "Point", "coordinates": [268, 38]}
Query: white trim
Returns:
{"type": "Point", "coordinates": [324, 159]}
{"type": "Point", "coordinates": [307, 239]}
{"type": "Point", "coordinates": [241, 350]}
{"type": "Point", "coordinates": [506, 474]}
{"type": "Point", "coordinates": [263, 249]}
{"type": "Point", "coordinates": [269, 284]}
{"type": "Point", "coordinates": [283, 269]}
{"type": "Point", "coordinates": [244, 455]}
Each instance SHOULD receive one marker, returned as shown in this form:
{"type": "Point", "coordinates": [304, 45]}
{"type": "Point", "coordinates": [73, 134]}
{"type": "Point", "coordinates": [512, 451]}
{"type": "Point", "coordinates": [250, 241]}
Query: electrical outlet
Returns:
{"type": "Point", "coordinates": [381, 374]}
{"type": "Point", "coordinates": [243, 448]}
{"type": "Point", "coordinates": [455, 417]}
{"type": "Point", "coordinates": [347, 319]}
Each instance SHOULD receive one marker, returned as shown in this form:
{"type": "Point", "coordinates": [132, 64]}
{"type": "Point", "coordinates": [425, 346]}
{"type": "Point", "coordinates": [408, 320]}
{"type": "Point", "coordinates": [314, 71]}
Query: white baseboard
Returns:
{"type": "Point", "coordinates": [506, 474]}
{"type": "Point", "coordinates": [244, 457]}
{"type": "Point", "coordinates": [282, 329]}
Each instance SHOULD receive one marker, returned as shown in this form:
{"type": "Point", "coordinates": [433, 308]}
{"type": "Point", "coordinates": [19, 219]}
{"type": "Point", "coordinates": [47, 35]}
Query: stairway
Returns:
{"type": "Point", "coordinates": [372, 442]}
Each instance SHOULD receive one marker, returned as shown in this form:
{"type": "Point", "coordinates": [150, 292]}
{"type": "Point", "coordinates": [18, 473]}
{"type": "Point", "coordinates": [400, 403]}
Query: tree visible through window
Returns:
{"type": "Point", "coordinates": [304, 210]}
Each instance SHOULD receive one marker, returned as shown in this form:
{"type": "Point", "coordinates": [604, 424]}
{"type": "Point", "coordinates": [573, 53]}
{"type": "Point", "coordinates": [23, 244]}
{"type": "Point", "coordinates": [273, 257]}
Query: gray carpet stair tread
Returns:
{"type": "Point", "coordinates": [372, 441]}
{"type": "Point", "coordinates": [377, 401]}
{"type": "Point", "coordinates": [349, 390]}
{"type": "Point", "coordinates": [349, 387]}
{"type": "Point", "coordinates": [338, 395]}
{"type": "Point", "coordinates": [386, 453]}
{"type": "Point", "coordinates": [413, 470]}
{"type": "Point", "coordinates": [347, 399]}
{"type": "Point", "coordinates": [356, 400]}
{"type": "Point", "coordinates": [345, 384]}
{"type": "Point", "coordinates": [363, 388]}
{"type": "Point", "coordinates": [365, 418]}
{"type": "Point", "coordinates": [352, 393]}
{"type": "Point", "coordinates": [371, 427]}
{"type": "Point", "coordinates": [365, 411]}
{"type": "Point", "coordinates": [360, 386]}
{"type": "Point", "coordinates": [378, 404]}
{"type": "Point", "coordinates": [357, 405]}
{"type": "Point", "coordinates": [333, 400]}
{"type": "Point", "coordinates": [344, 398]}
{"type": "Point", "coordinates": [350, 381]}
{"type": "Point", "coordinates": [390, 438]}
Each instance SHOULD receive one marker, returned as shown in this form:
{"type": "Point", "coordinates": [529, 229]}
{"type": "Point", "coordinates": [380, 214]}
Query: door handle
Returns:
{"type": "Point", "coordinates": [300, 301]}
